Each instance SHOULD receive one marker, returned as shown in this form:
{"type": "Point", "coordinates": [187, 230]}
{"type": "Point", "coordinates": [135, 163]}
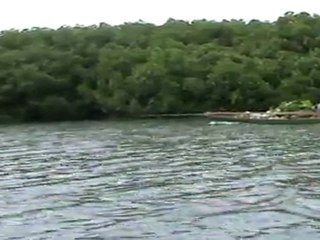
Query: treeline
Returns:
{"type": "Point", "coordinates": [138, 68]}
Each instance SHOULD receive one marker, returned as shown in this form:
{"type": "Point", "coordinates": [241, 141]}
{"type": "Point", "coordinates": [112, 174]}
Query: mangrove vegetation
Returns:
{"type": "Point", "coordinates": [92, 72]}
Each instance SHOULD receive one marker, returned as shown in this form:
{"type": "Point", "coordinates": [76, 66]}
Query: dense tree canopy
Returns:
{"type": "Point", "coordinates": [138, 68]}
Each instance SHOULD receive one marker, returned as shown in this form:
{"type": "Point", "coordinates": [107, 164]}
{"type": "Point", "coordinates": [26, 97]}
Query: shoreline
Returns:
{"type": "Point", "coordinates": [12, 121]}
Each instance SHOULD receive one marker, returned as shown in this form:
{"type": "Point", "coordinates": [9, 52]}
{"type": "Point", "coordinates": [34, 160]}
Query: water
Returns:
{"type": "Point", "coordinates": [159, 180]}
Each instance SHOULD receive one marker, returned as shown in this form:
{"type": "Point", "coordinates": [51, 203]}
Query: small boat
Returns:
{"type": "Point", "coordinates": [300, 117]}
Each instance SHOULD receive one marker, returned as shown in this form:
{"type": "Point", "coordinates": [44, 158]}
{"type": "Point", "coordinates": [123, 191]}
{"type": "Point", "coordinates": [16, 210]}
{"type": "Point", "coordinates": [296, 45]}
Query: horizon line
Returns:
{"type": "Point", "coordinates": [141, 21]}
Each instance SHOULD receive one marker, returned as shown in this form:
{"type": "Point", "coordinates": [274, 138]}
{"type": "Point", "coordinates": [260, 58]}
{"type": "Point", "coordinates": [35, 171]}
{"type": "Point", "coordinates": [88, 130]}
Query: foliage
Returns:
{"type": "Point", "coordinates": [89, 72]}
{"type": "Point", "coordinates": [295, 105]}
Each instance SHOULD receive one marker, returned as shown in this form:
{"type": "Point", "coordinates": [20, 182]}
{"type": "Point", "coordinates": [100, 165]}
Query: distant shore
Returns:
{"type": "Point", "coordinates": [137, 69]}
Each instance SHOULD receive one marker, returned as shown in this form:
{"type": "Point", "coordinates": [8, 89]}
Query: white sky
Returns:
{"type": "Point", "coordinates": [55, 13]}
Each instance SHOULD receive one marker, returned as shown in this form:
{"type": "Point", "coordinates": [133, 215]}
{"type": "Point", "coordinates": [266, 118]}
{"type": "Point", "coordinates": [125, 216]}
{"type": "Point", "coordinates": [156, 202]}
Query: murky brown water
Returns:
{"type": "Point", "coordinates": [159, 180]}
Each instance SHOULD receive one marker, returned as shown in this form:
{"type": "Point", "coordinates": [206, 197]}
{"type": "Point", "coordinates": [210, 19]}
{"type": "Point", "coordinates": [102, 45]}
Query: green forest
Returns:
{"type": "Point", "coordinates": [101, 71]}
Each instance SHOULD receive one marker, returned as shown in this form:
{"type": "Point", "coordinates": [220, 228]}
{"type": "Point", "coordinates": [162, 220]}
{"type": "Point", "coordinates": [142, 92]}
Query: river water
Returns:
{"type": "Point", "coordinates": [159, 180]}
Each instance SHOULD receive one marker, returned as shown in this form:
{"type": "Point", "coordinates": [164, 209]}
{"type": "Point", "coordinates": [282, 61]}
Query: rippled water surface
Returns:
{"type": "Point", "coordinates": [159, 180]}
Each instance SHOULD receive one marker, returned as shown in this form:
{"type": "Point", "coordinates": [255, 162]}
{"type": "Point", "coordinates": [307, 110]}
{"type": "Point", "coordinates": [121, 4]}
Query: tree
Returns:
{"type": "Point", "coordinates": [90, 72]}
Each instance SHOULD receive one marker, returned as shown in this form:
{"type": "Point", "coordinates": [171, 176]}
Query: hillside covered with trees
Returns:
{"type": "Point", "coordinates": [89, 72]}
